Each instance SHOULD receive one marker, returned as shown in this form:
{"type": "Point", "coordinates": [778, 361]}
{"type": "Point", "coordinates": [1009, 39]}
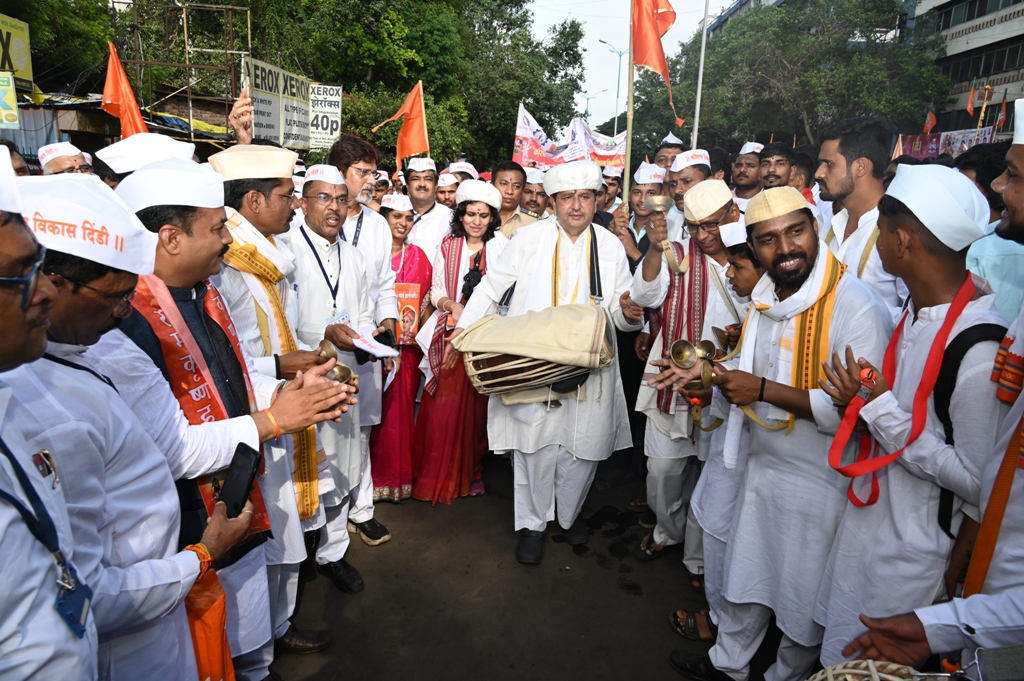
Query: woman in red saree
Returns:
{"type": "Point", "coordinates": [451, 429]}
{"type": "Point", "coordinates": [391, 441]}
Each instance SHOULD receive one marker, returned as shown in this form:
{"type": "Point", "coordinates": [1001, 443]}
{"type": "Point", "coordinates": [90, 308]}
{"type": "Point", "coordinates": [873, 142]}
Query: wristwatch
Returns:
{"type": "Point", "coordinates": [867, 384]}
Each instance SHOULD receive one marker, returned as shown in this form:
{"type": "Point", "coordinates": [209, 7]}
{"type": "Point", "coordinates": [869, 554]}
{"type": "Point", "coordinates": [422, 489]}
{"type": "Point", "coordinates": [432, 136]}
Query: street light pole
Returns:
{"type": "Point", "coordinates": [586, 114]}
{"type": "Point", "coordinates": [618, 80]}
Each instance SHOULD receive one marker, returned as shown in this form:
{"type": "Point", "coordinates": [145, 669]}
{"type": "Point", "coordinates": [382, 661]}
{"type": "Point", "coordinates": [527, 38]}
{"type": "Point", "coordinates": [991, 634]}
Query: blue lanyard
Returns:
{"type": "Point", "coordinates": [38, 520]}
{"type": "Point", "coordinates": [323, 270]}
{"type": "Point", "coordinates": [355, 237]}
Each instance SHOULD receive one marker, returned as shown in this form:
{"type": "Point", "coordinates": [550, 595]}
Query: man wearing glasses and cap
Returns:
{"type": "Point", "coordinates": [63, 157]}
{"type": "Point", "coordinates": [39, 637]}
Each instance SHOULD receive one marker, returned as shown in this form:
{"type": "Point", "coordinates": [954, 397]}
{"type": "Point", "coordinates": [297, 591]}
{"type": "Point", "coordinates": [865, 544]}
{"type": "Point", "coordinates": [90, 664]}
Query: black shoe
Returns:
{"type": "Point", "coordinates": [530, 548]}
{"type": "Point", "coordinates": [577, 534]}
{"type": "Point", "coordinates": [344, 576]}
{"type": "Point", "coordinates": [695, 667]}
{"type": "Point", "coordinates": [303, 641]}
{"type": "Point", "coordinates": [372, 532]}
{"type": "Point", "coordinates": [648, 520]}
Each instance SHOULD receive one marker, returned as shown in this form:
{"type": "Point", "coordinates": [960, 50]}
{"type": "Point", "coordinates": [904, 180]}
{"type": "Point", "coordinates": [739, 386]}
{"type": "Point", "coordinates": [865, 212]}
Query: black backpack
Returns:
{"type": "Point", "coordinates": [943, 392]}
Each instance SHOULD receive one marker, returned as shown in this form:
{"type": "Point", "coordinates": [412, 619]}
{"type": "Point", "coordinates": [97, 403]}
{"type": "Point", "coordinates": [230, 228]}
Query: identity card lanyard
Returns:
{"type": "Point", "coordinates": [323, 270]}
{"type": "Point", "coordinates": [73, 596]}
{"type": "Point", "coordinates": [355, 237]}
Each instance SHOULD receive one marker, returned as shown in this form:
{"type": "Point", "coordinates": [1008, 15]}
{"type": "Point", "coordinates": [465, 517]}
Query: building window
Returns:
{"type": "Point", "coordinates": [970, 10]}
{"type": "Point", "coordinates": [988, 61]}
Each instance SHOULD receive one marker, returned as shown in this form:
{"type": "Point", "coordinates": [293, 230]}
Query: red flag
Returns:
{"type": "Point", "coordinates": [929, 121]}
{"type": "Point", "coordinates": [970, 100]}
{"type": "Point", "coordinates": [1002, 113]}
{"type": "Point", "coordinates": [651, 21]}
{"type": "Point", "coordinates": [412, 138]}
{"type": "Point", "coordinates": [118, 98]}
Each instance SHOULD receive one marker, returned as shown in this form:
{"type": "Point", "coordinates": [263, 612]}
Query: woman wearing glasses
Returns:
{"type": "Point", "coordinates": [451, 430]}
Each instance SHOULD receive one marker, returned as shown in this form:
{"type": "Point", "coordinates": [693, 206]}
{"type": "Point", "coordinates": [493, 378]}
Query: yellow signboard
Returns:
{"type": "Point", "coordinates": [8, 103]}
{"type": "Point", "coordinates": [15, 51]}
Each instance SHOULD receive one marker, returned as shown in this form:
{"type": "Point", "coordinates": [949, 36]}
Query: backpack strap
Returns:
{"type": "Point", "coordinates": [943, 393]}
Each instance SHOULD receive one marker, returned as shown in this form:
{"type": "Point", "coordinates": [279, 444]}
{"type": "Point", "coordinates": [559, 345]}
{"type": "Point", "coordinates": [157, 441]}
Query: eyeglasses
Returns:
{"type": "Point", "coordinates": [709, 227]}
{"type": "Point", "coordinates": [328, 199]}
{"type": "Point", "coordinates": [30, 281]}
{"type": "Point", "coordinates": [363, 172]}
{"type": "Point", "coordinates": [122, 302]}
{"type": "Point", "coordinates": [84, 169]}
{"type": "Point", "coordinates": [284, 196]}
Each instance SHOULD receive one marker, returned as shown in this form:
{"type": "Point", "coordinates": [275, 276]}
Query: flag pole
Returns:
{"type": "Point", "coordinates": [700, 74]}
{"type": "Point", "coordinates": [629, 111]}
{"type": "Point", "coordinates": [981, 118]}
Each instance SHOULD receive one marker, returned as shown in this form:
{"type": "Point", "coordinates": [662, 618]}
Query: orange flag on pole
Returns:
{"type": "Point", "coordinates": [118, 98]}
{"type": "Point", "coordinates": [412, 138]}
{"type": "Point", "coordinates": [929, 121]}
{"type": "Point", "coordinates": [970, 100]}
{"type": "Point", "coordinates": [651, 21]}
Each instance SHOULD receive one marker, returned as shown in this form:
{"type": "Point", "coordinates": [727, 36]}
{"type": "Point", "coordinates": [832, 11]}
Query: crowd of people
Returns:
{"type": "Point", "coordinates": [809, 350]}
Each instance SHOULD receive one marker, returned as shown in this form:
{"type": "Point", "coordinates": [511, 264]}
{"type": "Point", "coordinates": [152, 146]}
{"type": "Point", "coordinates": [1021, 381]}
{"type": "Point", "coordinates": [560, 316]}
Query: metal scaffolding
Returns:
{"type": "Point", "coordinates": [191, 42]}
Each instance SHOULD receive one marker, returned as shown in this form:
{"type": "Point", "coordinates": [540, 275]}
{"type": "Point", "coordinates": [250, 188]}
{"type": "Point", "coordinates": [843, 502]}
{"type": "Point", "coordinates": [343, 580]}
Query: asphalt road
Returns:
{"type": "Point", "coordinates": [446, 600]}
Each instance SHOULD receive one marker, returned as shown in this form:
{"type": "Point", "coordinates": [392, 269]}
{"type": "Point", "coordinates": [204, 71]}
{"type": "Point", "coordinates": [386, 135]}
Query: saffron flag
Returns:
{"type": "Point", "coordinates": [1002, 113]}
{"type": "Point", "coordinates": [412, 138]}
{"type": "Point", "coordinates": [118, 98]}
{"type": "Point", "coordinates": [970, 100]}
{"type": "Point", "coordinates": [651, 21]}
{"type": "Point", "coordinates": [929, 121]}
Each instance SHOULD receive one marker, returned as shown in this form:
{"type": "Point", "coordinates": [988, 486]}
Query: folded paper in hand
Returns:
{"type": "Point", "coordinates": [366, 342]}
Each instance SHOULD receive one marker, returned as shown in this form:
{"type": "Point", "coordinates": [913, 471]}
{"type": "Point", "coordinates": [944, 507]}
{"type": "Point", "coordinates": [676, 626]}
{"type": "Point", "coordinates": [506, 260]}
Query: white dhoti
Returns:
{"type": "Point", "coordinates": [549, 481]}
{"type": "Point", "coordinates": [283, 586]}
{"type": "Point", "coordinates": [740, 631]}
{"type": "Point", "coordinates": [361, 508]}
{"type": "Point", "coordinates": [672, 474]}
{"type": "Point", "coordinates": [248, 602]}
{"type": "Point", "coordinates": [693, 542]}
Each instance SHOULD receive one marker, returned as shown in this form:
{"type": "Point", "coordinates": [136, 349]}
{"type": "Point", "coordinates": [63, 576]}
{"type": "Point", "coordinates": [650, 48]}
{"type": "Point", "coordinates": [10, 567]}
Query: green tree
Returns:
{"type": "Point", "coordinates": [797, 68]}
{"type": "Point", "coordinates": [69, 41]}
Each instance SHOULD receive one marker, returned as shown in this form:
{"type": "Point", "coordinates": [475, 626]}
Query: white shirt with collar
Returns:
{"type": "Point", "coordinates": [124, 513]}
{"type": "Point", "coordinates": [35, 642]}
{"type": "Point", "coordinates": [346, 269]}
{"type": "Point", "coordinates": [850, 251]}
{"type": "Point", "coordinates": [429, 229]}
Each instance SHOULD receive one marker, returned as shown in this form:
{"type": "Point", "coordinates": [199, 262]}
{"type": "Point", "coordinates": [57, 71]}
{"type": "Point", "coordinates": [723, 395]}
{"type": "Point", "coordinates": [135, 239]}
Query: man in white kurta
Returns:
{"type": "Point", "coordinates": [891, 556]}
{"type": "Point", "coordinates": [254, 285]}
{"type": "Point", "coordinates": [35, 641]}
{"type": "Point", "coordinates": [673, 460]}
{"type": "Point", "coordinates": [122, 500]}
{"type": "Point", "coordinates": [432, 221]}
{"type": "Point", "coordinates": [853, 157]}
{"type": "Point", "coordinates": [989, 615]}
{"type": "Point", "coordinates": [556, 450]}
{"type": "Point", "coordinates": [329, 281]}
{"type": "Point", "coordinates": [135, 363]}
{"type": "Point", "coordinates": [365, 229]}
{"type": "Point", "coordinates": [791, 502]}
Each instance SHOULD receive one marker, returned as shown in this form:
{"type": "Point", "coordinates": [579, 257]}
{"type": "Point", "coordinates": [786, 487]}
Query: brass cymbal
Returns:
{"type": "Point", "coordinates": [704, 382]}
{"type": "Point", "coordinates": [660, 204]}
{"type": "Point", "coordinates": [683, 353]}
{"type": "Point", "coordinates": [341, 372]}
{"type": "Point", "coordinates": [706, 350]}
{"type": "Point", "coordinates": [328, 350]}
{"type": "Point", "coordinates": [722, 335]}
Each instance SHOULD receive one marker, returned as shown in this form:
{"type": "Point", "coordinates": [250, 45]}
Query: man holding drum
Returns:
{"type": "Point", "coordinates": [558, 441]}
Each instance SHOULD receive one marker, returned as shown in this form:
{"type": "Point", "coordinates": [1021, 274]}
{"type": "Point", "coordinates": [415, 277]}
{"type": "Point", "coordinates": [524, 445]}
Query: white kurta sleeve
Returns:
{"type": "Point", "coordinates": [190, 450]}
{"type": "Point", "coordinates": [982, 621]}
{"type": "Point", "coordinates": [861, 320]}
{"type": "Point", "coordinates": [437, 290]}
{"type": "Point", "coordinates": [623, 281]}
{"type": "Point", "coordinates": [501, 274]}
{"type": "Point", "coordinates": [264, 386]}
{"type": "Point", "coordinates": [650, 294]}
{"type": "Point", "coordinates": [122, 597]}
{"type": "Point", "coordinates": [387, 301]}
{"type": "Point", "coordinates": [976, 415]}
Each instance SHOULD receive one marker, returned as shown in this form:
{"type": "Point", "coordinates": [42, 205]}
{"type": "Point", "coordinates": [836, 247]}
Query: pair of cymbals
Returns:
{"type": "Point", "coordinates": [685, 354]}
{"type": "Point", "coordinates": [340, 372]}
